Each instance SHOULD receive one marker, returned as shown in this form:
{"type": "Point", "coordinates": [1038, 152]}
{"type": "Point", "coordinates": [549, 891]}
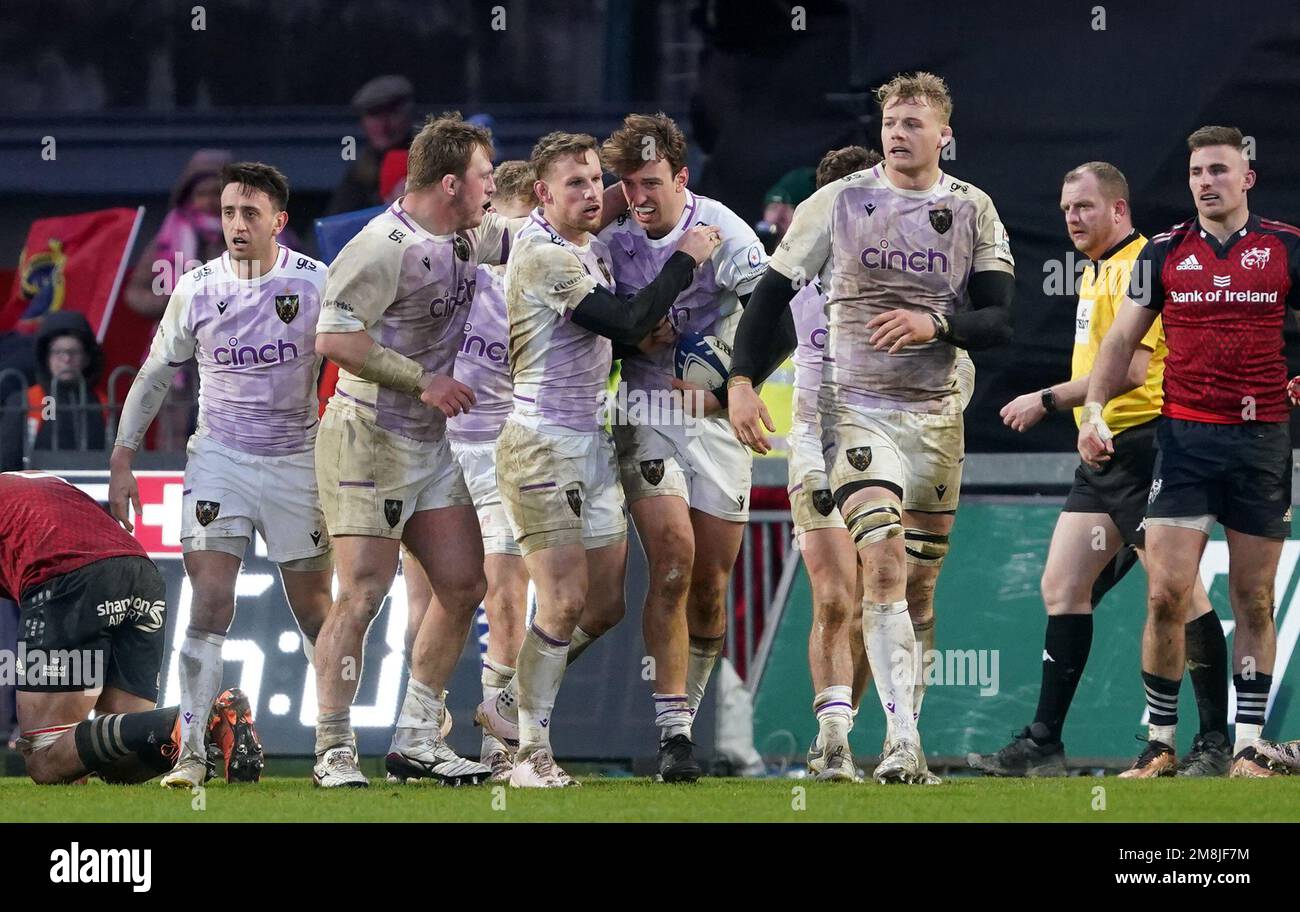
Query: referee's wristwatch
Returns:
{"type": "Point", "coordinates": [1049, 399]}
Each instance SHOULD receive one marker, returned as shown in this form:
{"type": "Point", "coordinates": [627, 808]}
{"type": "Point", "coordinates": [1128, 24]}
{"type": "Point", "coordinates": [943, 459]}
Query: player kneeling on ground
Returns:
{"type": "Point", "coordinates": [92, 615]}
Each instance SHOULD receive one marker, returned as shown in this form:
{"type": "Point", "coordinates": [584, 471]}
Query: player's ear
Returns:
{"type": "Point", "coordinates": [945, 135]}
{"type": "Point", "coordinates": [1121, 209]}
{"type": "Point", "coordinates": [1249, 180]}
{"type": "Point", "coordinates": [541, 192]}
{"type": "Point", "coordinates": [682, 178]}
{"type": "Point", "coordinates": [449, 184]}
{"type": "Point", "coordinates": [280, 222]}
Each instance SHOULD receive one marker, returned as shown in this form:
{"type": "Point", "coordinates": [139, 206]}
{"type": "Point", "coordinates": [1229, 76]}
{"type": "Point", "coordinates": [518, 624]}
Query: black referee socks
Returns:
{"type": "Point", "coordinates": [1065, 653]}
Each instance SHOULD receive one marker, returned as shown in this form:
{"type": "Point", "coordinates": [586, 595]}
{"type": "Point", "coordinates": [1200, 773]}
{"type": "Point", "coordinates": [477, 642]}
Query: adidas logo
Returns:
{"type": "Point", "coordinates": [1222, 281]}
{"type": "Point", "coordinates": [1189, 263]}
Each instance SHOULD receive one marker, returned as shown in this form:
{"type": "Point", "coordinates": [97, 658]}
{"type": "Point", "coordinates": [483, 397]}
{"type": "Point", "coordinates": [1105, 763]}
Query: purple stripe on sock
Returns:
{"type": "Point", "coordinates": [664, 712]}
{"type": "Point", "coordinates": [187, 491]}
{"type": "Point", "coordinates": [826, 706]}
{"type": "Point", "coordinates": [356, 484]}
{"type": "Point", "coordinates": [525, 399]}
{"type": "Point", "coordinates": [679, 697]}
{"type": "Point", "coordinates": [536, 487]}
{"type": "Point", "coordinates": [546, 639]}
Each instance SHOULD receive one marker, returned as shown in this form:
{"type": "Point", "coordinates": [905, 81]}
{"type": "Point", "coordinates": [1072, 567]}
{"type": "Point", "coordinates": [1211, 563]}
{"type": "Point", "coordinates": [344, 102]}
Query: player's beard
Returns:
{"type": "Point", "coordinates": [469, 215]}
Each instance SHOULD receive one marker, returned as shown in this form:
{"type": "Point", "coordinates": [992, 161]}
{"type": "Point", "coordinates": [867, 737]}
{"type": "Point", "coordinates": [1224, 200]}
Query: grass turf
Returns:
{"type": "Point", "coordinates": [961, 799]}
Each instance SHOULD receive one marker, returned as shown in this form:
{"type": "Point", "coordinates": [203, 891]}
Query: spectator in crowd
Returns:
{"type": "Point", "coordinates": [779, 204]}
{"type": "Point", "coordinates": [392, 174]}
{"type": "Point", "coordinates": [190, 233]}
{"type": "Point", "coordinates": [62, 410]}
{"type": "Point", "coordinates": [385, 105]}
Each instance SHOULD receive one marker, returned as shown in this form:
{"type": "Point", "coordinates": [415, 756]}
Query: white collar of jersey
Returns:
{"type": "Point", "coordinates": [280, 259]}
{"type": "Point", "coordinates": [406, 219]}
{"type": "Point", "coordinates": [539, 221]}
{"type": "Point", "coordinates": [879, 171]}
{"type": "Point", "coordinates": [683, 223]}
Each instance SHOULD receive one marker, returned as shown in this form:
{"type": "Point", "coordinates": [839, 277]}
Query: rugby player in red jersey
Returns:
{"type": "Point", "coordinates": [1221, 283]}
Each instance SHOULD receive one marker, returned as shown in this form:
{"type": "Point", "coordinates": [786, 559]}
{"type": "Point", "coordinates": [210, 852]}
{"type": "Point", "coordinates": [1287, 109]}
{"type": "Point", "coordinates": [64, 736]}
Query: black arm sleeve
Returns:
{"type": "Point", "coordinates": [988, 322]}
{"type": "Point", "coordinates": [766, 334]}
{"type": "Point", "coordinates": [627, 320]}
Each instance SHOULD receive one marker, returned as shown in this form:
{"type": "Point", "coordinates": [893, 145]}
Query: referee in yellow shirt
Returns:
{"type": "Point", "coordinates": [1099, 534]}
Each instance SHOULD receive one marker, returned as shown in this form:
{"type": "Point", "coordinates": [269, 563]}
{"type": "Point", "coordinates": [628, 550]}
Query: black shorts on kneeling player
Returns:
{"type": "Point", "coordinates": [102, 623]}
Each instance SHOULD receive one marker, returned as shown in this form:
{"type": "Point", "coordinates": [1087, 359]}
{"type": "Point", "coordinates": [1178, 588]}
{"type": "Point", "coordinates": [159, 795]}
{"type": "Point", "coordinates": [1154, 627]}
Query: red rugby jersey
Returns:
{"type": "Point", "coordinates": [49, 527]}
{"type": "Point", "coordinates": [1223, 306]}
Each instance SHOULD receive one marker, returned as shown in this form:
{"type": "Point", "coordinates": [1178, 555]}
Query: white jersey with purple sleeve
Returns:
{"type": "Point", "coordinates": [893, 248]}
{"type": "Point", "coordinates": [255, 343]}
{"type": "Point", "coordinates": [559, 370]}
{"type": "Point", "coordinates": [711, 303]}
{"type": "Point", "coordinates": [484, 361]}
{"type": "Point", "coordinates": [410, 290]}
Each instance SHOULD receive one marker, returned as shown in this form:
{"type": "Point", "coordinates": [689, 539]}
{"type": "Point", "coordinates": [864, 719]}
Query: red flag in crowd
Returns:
{"type": "Point", "coordinates": [72, 262]}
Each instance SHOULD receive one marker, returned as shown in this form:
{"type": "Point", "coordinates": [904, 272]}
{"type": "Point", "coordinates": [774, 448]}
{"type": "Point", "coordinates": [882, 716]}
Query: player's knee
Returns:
{"type": "Point", "coordinates": [504, 611]}
{"type": "Point", "coordinates": [361, 600]}
{"type": "Point", "coordinates": [707, 596]}
{"type": "Point", "coordinates": [1167, 602]}
{"type": "Point", "coordinates": [883, 577]}
{"type": "Point", "coordinates": [870, 519]}
{"type": "Point", "coordinates": [1253, 609]}
{"type": "Point", "coordinates": [464, 594]}
{"type": "Point", "coordinates": [834, 611]}
{"type": "Point", "coordinates": [212, 611]}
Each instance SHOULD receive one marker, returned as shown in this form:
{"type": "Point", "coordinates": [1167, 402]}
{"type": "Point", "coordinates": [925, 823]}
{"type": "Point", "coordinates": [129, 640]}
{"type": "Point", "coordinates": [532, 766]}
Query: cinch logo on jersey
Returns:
{"type": "Point", "coordinates": [883, 257]}
{"type": "Point", "coordinates": [91, 866]}
{"type": "Point", "coordinates": [237, 355]}
{"type": "Point", "coordinates": [479, 347]}
{"type": "Point", "coordinates": [445, 306]}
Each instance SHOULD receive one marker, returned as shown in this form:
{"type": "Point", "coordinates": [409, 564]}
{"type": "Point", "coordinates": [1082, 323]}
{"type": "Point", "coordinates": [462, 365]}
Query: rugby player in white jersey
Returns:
{"type": "Point", "coordinates": [484, 366]}
{"type": "Point", "coordinates": [555, 462]}
{"type": "Point", "coordinates": [249, 317]}
{"type": "Point", "coordinates": [836, 654]}
{"type": "Point", "coordinates": [919, 265]}
{"type": "Point", "coordinates": [686, 479]}
{"type": "Point", "coordinates": [393, 319]}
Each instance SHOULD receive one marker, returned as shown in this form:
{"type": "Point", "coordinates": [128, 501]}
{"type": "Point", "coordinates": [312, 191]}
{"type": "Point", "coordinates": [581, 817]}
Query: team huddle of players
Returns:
{"type": "Point", "coordinates": [475, 323]}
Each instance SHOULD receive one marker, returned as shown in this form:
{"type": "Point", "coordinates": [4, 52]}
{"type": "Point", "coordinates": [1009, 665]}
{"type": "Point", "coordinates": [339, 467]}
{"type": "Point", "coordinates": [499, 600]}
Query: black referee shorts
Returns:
{"type": "Point", "coordinates": [1240, 473]}
{"type": "Point", "coordinates": [101, 625]}
{"type": "Point", "coordinates": [1120, 487]}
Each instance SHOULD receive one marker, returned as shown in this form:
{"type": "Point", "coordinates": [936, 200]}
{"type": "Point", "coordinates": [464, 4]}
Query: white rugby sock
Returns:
{"type": "Point", "coordinates": [672, 715]}
{"type": "Point", "coordinates": [924, 634]}
{"type": "Point", "coordinates": [542, 660]}
{"type": "Point", "coordinates": [1247, 735]}
{"type": "Point", "coordinates": [494, 678]}
{"type": "Point", "coordinates": [703, 656]}
{"type": "Point", "coordinates": [200, 671]}
{"type": "Point", "coordinates": [508, 698]}
{"type": "Point", "coordinates": [890, 644]}
{"type": "Point", "coordinates": [834, 713]}
{"type": "Point", "coordinates": [1162, 733]}
{"type": "Point", "coordinates": [421, 713]}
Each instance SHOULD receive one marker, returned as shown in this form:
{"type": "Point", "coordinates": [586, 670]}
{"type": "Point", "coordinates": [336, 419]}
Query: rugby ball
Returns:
{"type": "Point", "coordinates": [702, 360]}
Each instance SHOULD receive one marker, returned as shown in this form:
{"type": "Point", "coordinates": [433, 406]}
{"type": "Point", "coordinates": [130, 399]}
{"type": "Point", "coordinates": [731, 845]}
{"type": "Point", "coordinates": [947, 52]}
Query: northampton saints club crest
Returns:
{"type": "Point", "coordinates": [286, 307]}
{"type": "Point", "coordinates": [941, 220]}
{"type": "Point", "coordinates": [205, 511]}
{"type": "Point", "coordinates": [604, 270]}
{"type": "Point", "coordinates": [823, 502]}
{"type": "Point", "coordinates": [461, 246]}
{"type": "Point", "coordinates": [392, 512]}
{"type": "Point", "coordinates": [652, 470]}
{"type": "Point", "coordinates": [575, 500]}
{"type": "Point", "coordinates": [859, 457]}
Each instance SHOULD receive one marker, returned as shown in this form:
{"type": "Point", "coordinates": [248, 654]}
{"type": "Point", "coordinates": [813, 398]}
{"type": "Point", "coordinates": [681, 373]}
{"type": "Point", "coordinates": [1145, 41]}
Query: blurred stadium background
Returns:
{"type": "Point", "coordinates": [103, 106]}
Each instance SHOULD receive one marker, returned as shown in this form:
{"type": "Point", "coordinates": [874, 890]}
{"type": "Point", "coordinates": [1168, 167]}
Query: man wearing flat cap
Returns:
{"type": "Point", "coordinates": [384, 105]}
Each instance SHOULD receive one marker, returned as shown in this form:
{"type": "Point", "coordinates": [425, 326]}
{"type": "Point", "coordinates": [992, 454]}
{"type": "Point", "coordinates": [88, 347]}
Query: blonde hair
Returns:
{"type": "Point", "coordinates": [919, 86]}
{"type": "Point", "coordinates": [514, 180]}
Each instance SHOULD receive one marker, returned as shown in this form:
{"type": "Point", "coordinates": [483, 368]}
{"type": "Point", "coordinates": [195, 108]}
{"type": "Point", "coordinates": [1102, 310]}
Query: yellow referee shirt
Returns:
{"type": "Point", "coordinates": [1101, 291]}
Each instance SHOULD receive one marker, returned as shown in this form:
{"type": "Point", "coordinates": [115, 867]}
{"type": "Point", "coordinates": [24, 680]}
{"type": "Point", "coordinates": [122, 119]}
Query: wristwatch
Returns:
{"type": "Point", "coordinates": [1049, 400]}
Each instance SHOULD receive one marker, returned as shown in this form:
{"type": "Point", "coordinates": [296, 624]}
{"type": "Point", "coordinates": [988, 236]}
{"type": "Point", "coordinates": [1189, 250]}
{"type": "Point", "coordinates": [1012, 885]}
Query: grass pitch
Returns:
{"type": "Point", "coordinates": [960, 799]}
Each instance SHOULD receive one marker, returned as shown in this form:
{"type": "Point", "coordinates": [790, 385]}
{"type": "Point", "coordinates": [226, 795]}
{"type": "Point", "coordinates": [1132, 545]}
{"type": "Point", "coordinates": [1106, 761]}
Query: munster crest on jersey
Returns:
{"type": "Point", "coordinates": [286, 307]}
{"type": "Point", "coordinates": [392, 512]}
{"type": "Point", "coordinates": [205, 511]}
{"type": "Point", "coordinates": [575, 500]}
{"type": "Point", "coordinates": [859, 457]}
{"type": "Point", "coordinates": [941, 219]}
{"type": "Point", "coordinates": [461, 246]}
